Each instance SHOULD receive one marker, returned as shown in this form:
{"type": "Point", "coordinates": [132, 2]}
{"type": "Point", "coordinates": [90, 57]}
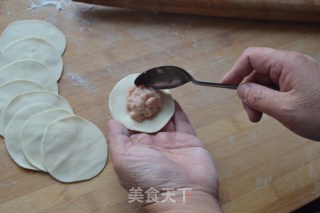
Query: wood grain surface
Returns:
{"type": "Point", "coordinates": [262, 167]}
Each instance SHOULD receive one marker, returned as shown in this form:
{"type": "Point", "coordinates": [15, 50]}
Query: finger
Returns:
{"type": "Point", "coordinates": [118, 134]}
{"type": "Point", "coordinates": [263, 99]}
{"type": "Point", "coordinates": [239, 71]}
{"type": "Point", "coordinates": [169, 127]}
{"type": "Point", "coordinates": [181, 121]}
{"type": "Point", "coordinates": [176, 140]}
{"type": "Point", "coordinates": [260, 78]}
{"type": "Point", "coordinates": [262, 60]}
{"type": "Point", "coordinates": [253, 115]}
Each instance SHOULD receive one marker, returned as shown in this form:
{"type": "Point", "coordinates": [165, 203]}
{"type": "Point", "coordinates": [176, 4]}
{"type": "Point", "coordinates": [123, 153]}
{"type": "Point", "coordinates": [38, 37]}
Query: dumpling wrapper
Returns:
{"type": "Point", "coordinates": [35, 49]}
{"type": "Point", "coordinates": [73, 149]}
{"type": "Point", "coordinates": [13, 137]}
{"type": "Point", "coordinates": [33, 28]}
{"type": "Point", "coordinates": [29, 70]}
{"type": "Point", "coordinates": [33, 131]}
{"type": "Point", "coordinates": [12, 88]}
{"type": "Point", "coordinates": [28, 98]}
{"type": "Point", "coordinates": [119, 111]}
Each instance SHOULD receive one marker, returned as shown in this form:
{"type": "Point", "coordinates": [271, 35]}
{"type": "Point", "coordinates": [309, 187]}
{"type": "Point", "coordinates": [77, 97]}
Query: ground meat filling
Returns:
{"type": "Point", "coordinates": [143, 103]}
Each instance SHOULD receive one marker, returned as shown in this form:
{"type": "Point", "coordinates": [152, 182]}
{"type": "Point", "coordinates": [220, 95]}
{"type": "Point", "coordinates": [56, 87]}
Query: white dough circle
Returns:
{"type": "Point", "coordinates": [12, 88]}
{"type": "Point", "coordinates": [36, 49]}
{"type": "Point", "coordinates": [12, 135]}
{"type": "Point", "coordinates": [73, 149]}
{"type": "Point", "coordinates": [118, 107]}
{"type": "Point", "coordinates": [33, 131]}
{"type": "Point", "coordinates": [28, 98]}
{"type": "Point", "coordinates": [33, 28]}
{"type": "Point", "coordinates": [29, 70]}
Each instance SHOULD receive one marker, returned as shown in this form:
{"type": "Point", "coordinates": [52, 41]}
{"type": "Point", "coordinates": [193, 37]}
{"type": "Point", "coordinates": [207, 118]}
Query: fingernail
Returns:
{"type": "Point", "coordinates": [243, 90]}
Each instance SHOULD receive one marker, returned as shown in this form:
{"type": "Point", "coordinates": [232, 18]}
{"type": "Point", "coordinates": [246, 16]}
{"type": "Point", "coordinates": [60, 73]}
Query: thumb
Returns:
{"type": "Point", "coordinates": [262, 99]}
{"type": "Point", "coordinates": [118, 135]}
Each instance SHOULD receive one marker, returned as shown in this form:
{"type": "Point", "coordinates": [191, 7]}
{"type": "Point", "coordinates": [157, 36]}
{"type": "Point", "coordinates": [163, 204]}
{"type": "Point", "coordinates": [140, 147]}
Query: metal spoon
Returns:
{"type": "Point", "coordinates": [167, 77]}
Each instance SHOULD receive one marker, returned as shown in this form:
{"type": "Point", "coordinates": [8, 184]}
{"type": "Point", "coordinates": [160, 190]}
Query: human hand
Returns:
{"type": "Point", "coordinates": [172, 158]}
{"type": "Point", "coordinates": [296, 105]}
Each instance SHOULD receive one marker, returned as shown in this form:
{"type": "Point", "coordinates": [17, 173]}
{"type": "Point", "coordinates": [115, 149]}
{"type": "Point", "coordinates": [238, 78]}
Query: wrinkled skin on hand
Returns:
{"type": "Point", "coordinates": [296, 105]}
{"type": "Point", "coordinates": [172, 158]}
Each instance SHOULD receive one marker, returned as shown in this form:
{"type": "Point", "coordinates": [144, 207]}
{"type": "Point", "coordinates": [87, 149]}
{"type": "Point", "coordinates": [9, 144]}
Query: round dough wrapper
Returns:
{"type": "Point", "coordinates": [28, 98]}
{"type": "Point", "coordinates": [33, 28]}
{"type": "Point", "coordinates": [12, 88]}
{"type": "Point", "coordinates": [73, 149]}
{"type": "Point", "coordinates": [12, 134]}
{"type": "Point", "coordinates": [33, 131]}
{"type": "Point", "coordinates": [36, 49]}
{"type": "Point", "coordinates": [118, 107]}
{"type": "Point", "coordinates": [29, 70]}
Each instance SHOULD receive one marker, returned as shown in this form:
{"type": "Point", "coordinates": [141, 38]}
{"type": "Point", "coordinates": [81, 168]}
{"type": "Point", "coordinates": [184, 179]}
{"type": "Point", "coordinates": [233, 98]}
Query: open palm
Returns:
{"type": "Point", "coordinates": [172, 158]}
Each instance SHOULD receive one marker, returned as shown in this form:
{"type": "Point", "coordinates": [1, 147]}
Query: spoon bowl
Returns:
{"type": "Point", "coordinates": [168, 77]}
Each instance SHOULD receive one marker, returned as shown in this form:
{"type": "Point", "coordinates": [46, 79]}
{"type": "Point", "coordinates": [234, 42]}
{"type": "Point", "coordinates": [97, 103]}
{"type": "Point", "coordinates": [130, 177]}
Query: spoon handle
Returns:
{"type": "Point", "coordinates": [209, 84]}
{"type": "Point", "coordinates": [226, 86]}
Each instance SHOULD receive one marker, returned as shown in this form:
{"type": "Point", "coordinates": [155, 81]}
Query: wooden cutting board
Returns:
{"type": "Point", "coordinates": [262, 167]}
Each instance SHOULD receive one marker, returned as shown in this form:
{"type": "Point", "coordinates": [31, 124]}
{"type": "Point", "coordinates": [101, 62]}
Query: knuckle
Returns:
{"type": "Point", "coordinates": [249, 50]}
{"type": "Point", "coordinates": [286, 111]}
{"type": "Point", "coordinates": [255, 97]}
{"type": "Point", "coordinates": [296, 56]}
{"type": "Point", "coordinates": [258, 49]}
